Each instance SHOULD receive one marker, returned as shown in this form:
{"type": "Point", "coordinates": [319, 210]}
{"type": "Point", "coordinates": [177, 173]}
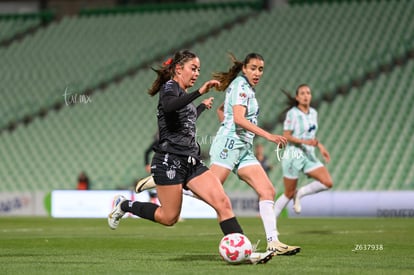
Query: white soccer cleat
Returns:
{"type": "Point", "coordinates": [144, 184]}
{"type": "Point", "coordinates": [296, 204]}
{"type": "Point", "coordinates": [279, 248]}
{"type": "Point", "coordinates": [260, 258]}
{"type": "Point", "coordinates": [116, 214]}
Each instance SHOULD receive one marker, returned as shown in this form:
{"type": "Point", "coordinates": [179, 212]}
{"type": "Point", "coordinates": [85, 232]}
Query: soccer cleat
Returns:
{"type": "Point", "coordinates": [260, 258]}
{"type": "Point", "coordinates": [116, 214]}
{"type": "Point", "coordinates": [144, 184]}
{"type": "Point", "coordinates": [280, 248]}
{"type": "Point", "coordinates": [296, 204]}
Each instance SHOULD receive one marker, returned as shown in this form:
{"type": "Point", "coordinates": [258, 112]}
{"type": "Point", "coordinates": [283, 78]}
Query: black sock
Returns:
{"type": "Point", "coordinates": [231, 226]}
{"type": "Point", "coordinates": [144, 210]}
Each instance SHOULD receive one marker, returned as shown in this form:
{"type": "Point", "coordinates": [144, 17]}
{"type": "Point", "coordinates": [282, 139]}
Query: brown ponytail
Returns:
{"type": "Point", "coordinates": [167, 71]}
{"type": "Point", "coordinates": [226, 78]}
{"type": "Point", "coordinates": [291, 101]}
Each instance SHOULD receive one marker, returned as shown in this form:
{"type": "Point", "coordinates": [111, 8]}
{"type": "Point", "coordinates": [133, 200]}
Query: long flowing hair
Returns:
{"type": "Point", "coordinates": [167, 70]}
{"type": "Point", "coordinates": [291, 100]}
{"type": "Point", "coordinates": [226, 78]}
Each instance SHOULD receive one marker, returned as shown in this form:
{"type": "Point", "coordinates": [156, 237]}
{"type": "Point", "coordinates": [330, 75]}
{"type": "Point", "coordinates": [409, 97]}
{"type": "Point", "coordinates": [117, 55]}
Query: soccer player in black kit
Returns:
{"type": "Point", "coordinates": [176, 163]}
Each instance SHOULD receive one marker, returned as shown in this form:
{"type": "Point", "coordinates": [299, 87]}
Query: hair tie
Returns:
{"type": "Point", "coordinates": [167, 62]}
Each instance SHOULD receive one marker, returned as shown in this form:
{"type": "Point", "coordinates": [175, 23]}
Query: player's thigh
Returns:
{"type": "Point", "coordinates": [220, 172]}
{"type": "Point", "coordinates": [322, 175]}
{"type": "Point", "coordinates": [291, 168]}
{"type": "Point", "coordinates": [290, 186]}
{"type": "Point", "coordinates": [170, 198]}
{"type": "Point", "coordinates": [255, 176]}
{"type": "Point", "coordinates": [209, 189]}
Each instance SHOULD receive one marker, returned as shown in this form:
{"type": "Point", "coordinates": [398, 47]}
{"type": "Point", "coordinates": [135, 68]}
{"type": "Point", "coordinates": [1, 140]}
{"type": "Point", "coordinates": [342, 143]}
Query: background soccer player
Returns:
{"type": "Point", "coordinates": [300, 128]}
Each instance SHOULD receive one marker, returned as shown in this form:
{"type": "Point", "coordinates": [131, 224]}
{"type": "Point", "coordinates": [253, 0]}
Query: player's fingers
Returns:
{"type": "Point", "coordinates": [214, 83]}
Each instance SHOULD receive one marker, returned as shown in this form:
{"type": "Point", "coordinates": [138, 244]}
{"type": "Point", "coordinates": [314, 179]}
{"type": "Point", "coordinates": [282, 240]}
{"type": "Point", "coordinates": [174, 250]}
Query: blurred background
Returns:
{"type": "Point", "coordinates": [74, 77]}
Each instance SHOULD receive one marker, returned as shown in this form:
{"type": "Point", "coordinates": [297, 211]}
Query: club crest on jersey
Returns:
{"type": "Point", "coordinates": [224, 154]}
{"type": "Point", "coordinates": [243, 95]}
{"type": "Point", "coordinates": [170, 173]}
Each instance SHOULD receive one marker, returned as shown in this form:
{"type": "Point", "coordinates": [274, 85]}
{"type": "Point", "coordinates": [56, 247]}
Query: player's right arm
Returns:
{"type": "Point", "coordinates": [291, 139]}
{"type": "Point", "coordinates": [240, 120]}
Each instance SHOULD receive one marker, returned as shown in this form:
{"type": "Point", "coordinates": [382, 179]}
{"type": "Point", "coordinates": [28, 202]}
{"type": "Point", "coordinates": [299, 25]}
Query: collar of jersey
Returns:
{"type": "Point", "coordinates": [247, 81]}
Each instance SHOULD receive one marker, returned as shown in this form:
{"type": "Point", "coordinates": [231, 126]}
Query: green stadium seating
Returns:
{"type": "Point", "coordinates": [81, 52]}
{"type": "Point", "coordinates": [11, 27]}
{"type": "Point", "coordinates": [367, 130]}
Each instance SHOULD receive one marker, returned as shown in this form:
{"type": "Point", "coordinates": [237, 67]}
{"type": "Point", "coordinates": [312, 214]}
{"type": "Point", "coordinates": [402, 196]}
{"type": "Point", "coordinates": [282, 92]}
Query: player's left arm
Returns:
{"type": "Point", "coordinates": [322, 149]}
{"type": "Point", "coordinates": [324, 152]}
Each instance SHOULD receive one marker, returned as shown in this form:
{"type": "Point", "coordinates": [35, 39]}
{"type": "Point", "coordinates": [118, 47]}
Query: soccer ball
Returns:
{"type": "Point", "coordinates": [235, 248]}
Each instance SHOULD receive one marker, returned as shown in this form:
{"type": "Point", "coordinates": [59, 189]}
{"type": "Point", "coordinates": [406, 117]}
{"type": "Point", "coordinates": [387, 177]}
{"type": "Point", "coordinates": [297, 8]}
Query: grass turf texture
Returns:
{"type": "Point", "coordinates": [88, 246]}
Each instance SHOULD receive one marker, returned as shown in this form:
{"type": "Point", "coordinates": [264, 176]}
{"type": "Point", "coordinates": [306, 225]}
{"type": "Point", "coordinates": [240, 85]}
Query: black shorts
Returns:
{"type": "Point", "coordinates": [171, 169]}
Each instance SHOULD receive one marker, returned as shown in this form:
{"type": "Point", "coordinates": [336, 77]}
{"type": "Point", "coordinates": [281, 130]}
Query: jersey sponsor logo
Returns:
{"type": "Point", "coordinates": [311, 128]}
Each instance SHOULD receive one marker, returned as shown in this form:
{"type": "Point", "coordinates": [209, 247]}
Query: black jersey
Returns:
{"type": "Point", "coordinates": [177, 117]}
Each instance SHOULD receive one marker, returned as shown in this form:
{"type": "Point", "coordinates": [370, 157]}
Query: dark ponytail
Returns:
{"type": "Point", "coordinates": [167, 70]}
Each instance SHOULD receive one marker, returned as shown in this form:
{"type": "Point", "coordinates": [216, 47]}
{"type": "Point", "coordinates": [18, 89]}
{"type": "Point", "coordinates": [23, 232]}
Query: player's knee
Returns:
{"type": "Point", "coordinates": [270, 194]}
{"type": "Point", "coordinates": [226, 204]}
{"type": "Point", "coordinates": [267, 193]}
{"type": "Point", "coordinates": [328, 182]}
{"type": "Point", "coordinates": [290, 194]}
{"type": "Point", "coordinates": [170, 221]}
{"type": "Point", "coordinates": [223, 206]}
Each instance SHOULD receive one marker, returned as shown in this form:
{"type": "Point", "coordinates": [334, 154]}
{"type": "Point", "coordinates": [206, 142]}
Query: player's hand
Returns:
{"type": "Point", "coordinates": [311, 142]}
{"type": "Point", "coordinates": [281, 141]}
{"type": "Point", "coordinates": [208, 85]}
{"type": "Point", "coordinates": [324, 153]}
{"type": "Point", "coordinates": [208, 102]}
{"type": "Point", "coordinates": [326, 156]}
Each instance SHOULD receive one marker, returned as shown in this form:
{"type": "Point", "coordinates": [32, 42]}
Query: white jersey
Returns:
{"type": "Point", "coordinates": [239, 92]}
{"type": "Point", "coordinates": [303, 126]}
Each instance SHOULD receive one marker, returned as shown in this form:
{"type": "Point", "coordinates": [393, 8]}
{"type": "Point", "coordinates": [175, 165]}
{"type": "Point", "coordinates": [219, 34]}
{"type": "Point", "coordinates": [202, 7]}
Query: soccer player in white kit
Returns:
{"type": "Point", "coordinates": [300, 127]}
{"type": "Point", "coordinates": [232, 148]}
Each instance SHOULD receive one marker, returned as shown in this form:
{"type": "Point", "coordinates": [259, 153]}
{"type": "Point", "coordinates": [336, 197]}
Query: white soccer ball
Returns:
{"type": "Point", "coordinates": [235, 248]}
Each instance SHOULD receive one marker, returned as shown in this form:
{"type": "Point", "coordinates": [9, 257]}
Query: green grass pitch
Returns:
{"type": "Point", "coordinates": [88, 246]}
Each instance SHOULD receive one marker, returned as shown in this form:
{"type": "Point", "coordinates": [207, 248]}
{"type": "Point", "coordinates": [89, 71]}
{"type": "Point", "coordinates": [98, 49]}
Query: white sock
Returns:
{"type": "Point", "coordinates": [311, 188]}
{"type": "Point", "coordinates": [280, 204]}
{"type": "Point", "coordinates": [269, 219]}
